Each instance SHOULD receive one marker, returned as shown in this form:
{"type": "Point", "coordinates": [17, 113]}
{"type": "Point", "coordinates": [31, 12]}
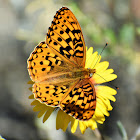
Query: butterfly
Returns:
{"type": "Point", "coordinates": [57, 66]}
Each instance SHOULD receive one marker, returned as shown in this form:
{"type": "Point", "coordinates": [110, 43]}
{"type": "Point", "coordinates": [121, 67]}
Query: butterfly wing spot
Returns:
{"type": "Point", "coordinates": [80, 102]}
{"type": "Point", "coordinates": [59, 39]}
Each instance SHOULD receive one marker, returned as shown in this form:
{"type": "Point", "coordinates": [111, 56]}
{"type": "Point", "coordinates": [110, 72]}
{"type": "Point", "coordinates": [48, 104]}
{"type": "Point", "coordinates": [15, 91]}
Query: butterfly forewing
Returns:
{"type": "Point", "coordinates": [42, 62]}
{"type": "Point", "coordinates": [80, 100]}
{"type": "Point", "coordinates": [65, 38]}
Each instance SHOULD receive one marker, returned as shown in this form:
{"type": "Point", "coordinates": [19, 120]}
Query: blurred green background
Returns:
{"type": "Point", "coordinates": [24, 23]}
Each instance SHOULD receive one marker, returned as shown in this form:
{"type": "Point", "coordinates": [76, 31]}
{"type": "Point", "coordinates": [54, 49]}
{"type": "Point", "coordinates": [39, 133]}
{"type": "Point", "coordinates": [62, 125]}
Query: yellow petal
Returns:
{"type": "Point", "coordinates": [30, 82]}
{"type": "Point", "coordinates": [89, 53]}
{"type": "Point", "coordinates": [66, 121]}
{"type": "Point", "coordinates": [82, 126]}
{"type": "Point", "coordinates": [62, 120]}
{"type": "Point", "coordinates": [106, 96]}
{"type": "Point", "coordinates": [106, 92]}
{"type": "Point", "coordinates": [106, 103]}
{"type": "Point", "coordinates": [96, 61]}
{"type": "Point", "coordinates": [30, 88]}
{"type": "Point", "coordinates": [74, 124]}
{"type": "Point", "coordinates": [90, 60]}
{"type": "Point", "coordinates": [41, 113]}
{"type": "Point", "coordinates": [104, 77]}
{"type": "Point", "coordinates": [92, 124]}
{"type": "Point", "coordinates": [59, 120]}
{"type": "Point", "coordinates": [35, 102]}
{"type": "Point", "coordinates": [106, 89]}
{"type": "Point", "coordinates": [101, 106]}
{"type": "Point", "coordinates": [102, 66]}
{"type": "Point", "coordinates": [100, 119]}
{"type": "Point", "coordinates": [48, 113]}
{"type": "Point", "coordinates": [40, 107]}
{"type": "Point", "coordinates": [31, 96]}
{"type": "Point", "coordinates": [98, 112]}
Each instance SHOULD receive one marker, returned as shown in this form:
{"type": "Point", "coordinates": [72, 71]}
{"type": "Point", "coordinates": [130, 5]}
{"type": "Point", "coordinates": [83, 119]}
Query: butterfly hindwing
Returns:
{"type": "Point", "coordinates": [80, 100]}
{"type": "Point", "coordinates": [49, 94]}
{"type": "Point", "coordinates": [65, 38]}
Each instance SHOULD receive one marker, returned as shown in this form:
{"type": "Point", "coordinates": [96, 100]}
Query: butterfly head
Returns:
{"type": "Point", "coordinates": [90, 73]}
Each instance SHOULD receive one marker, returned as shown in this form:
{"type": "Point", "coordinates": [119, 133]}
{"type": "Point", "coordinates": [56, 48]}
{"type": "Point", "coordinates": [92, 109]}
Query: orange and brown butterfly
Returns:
{"type": "Point", "coordinates": [57, 66]}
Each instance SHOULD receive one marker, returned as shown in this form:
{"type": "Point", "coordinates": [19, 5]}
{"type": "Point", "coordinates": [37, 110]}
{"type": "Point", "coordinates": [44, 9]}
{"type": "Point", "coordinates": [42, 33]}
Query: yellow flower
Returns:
{"type": "Point", "coordinates": [103, 93]}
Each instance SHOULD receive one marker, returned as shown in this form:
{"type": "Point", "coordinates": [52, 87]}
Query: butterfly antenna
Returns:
{"type": "Point", "coordinates": [100, 54]}
{"type": "Point", "coordinates": [107, 81]}
{"type": "Point", "coordinates": [100, 75]}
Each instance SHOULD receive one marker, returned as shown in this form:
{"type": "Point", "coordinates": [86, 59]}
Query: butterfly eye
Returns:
{"type": "Point", "coordinates": [91, 74]}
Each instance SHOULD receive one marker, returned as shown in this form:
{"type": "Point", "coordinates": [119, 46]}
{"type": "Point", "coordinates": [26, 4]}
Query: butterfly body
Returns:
{"type": "Point", "coordinates": [57, 67]}
{"type": "Point", "coordinates": [67, 75]}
